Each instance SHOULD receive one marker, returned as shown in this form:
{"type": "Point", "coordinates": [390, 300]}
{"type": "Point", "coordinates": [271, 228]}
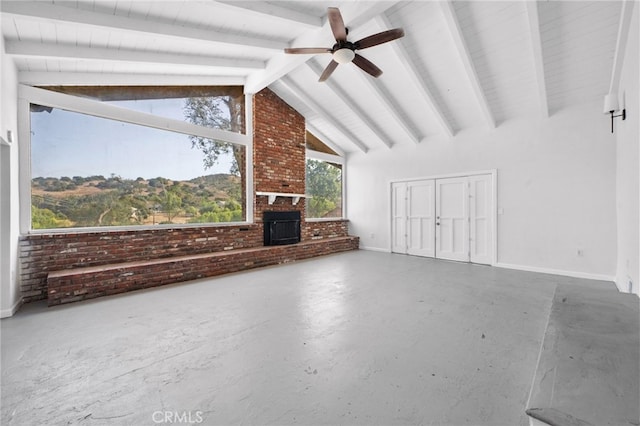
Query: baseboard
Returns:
{"type": "Point", "coordinates": [6, 313]}
{"type": "Point", "coordinates": [623, 286]}
{"type": "Point", "coordinates": [573, 274]}
{"type": "Point", "coordinates": [378, 249]}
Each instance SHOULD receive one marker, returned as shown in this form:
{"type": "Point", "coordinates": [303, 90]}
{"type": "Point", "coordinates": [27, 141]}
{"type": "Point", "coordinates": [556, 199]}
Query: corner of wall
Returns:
{"type": "Point", "coordinates": [627, 141]}
{"type": "Point", "coordinates": [10, 298]}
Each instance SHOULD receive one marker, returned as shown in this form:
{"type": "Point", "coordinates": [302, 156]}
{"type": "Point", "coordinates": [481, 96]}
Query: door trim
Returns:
{"type": "Point", "coordinates": [494, 203]}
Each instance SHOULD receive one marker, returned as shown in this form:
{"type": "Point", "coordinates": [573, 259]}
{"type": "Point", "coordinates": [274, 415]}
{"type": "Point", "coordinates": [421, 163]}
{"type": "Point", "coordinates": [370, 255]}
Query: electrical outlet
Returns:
{"type": "Point", "coordinates": [372, 236]}
{"type": "Point", "coordinates": [580, 252]}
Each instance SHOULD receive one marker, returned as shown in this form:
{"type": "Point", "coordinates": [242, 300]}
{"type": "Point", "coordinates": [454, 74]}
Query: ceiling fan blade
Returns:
{"type": "Point", "coordinates": [367, 66]}
{"type": "Point", "coordinates": [328, 70]}
{"type": "Point", "coordinates": [337, 24]}
{"type": "Point", "coordinates": [376, 39]}
{"type": "Point", "coordinates": [307, 50]}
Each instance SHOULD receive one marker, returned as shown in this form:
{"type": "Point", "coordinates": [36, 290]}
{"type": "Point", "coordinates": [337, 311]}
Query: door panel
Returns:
{"type": "Point", "coordinates": [481, 218]}
{"type": "Point", "coordinates": [399, 217]}
{"type": "Point", "coordinates": [420, 218]}
{"type": "Point", "coordinates": [452, 219]}
{"type": "Point", "coordinates": [449, 218]}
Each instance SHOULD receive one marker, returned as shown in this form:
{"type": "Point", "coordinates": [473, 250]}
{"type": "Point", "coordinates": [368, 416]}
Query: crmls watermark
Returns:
{"type": "Point", "coordinates": [177, 417]}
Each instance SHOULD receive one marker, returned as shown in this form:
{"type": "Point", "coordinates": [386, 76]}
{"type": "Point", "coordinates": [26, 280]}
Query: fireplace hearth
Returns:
{"type": "Point", "coordinates": [281, 228]}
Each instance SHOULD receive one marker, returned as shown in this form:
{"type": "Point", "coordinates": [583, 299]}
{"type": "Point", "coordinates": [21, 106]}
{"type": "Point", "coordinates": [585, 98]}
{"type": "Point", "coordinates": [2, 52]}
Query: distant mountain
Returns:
{"type": "Point", "coordinates": [99, 201]}
{"type": "Point", "coordinates": [221, 181]}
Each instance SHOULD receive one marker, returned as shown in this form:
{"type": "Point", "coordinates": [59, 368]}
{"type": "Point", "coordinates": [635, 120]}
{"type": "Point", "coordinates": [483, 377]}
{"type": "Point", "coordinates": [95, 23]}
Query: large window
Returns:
{"type": "Point", "coordinates": [95, 170]}
{"type": "Point", "coordinates": [324, 182]}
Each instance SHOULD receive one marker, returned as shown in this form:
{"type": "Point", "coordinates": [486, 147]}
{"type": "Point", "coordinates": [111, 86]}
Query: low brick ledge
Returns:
{"type": "Point", "coordinates": [82, 283]}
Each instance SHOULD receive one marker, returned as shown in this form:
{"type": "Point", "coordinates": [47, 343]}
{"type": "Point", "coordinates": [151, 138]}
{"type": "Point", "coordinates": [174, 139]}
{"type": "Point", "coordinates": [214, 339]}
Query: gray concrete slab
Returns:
{"type": "Point", "coordinates": [589, 367]}
{"type": "Point", "coordinates": [353, 339]}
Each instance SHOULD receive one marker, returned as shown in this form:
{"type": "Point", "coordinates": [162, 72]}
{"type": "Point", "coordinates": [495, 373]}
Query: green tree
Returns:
{"type": "Point", "coordinates": [223, 112]}
{"type": "Point", "coordinates": [324, 183]}
{"type": "Point", "coordinates": [46, 219]}
{"type": "Point", "coordinates": [217, 112]}
{"type": "Point", "coordinates": [171, 204]}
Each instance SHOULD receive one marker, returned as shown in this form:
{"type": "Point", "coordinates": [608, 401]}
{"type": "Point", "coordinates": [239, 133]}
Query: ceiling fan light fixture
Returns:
{"type": "Point", "coordinates": [344, 51]}
{"type": "Point", "coordinates": [344, 55]}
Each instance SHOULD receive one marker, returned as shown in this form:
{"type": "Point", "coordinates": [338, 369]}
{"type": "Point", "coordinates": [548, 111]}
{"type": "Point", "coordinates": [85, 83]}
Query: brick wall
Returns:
{"type": "Point", "coordinates": [324, 229]}
{"type": "Point", "coordinates": [42, 253]}
{"type": "Point", "coordinates": [71, 286]}
{"type": "Point", "coordinates": [278, 145]}
{"type": "Point", "coordinates": [279, 166]}
{"type": "Point", "coordinates": [278, 153]}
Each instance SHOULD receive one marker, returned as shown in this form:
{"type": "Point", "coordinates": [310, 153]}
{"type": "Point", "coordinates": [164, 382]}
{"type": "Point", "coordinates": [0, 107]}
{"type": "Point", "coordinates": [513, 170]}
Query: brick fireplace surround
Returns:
{"type": "Point", "coordinates": [74, 266]}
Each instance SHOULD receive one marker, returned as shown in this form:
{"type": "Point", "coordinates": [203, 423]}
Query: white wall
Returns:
{"type": "Point", "coordinates": [628, 159]}
{"type": "Point", "coordinates": [556, 185]}
{"type": "Point", "coordinates": [9, 286]}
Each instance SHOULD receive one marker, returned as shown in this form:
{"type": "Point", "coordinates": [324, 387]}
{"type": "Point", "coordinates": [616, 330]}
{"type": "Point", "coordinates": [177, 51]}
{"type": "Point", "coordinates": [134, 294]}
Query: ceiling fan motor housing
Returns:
{"type": "Point", "coordinates": [343, 52]}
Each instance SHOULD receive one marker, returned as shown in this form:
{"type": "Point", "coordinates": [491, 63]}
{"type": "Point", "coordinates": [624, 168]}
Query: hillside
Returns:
{"type": "Point", "coordinates": [114, 201]}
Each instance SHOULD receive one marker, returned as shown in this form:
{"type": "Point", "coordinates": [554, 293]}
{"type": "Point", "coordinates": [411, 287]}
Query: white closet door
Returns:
{"type": "Point", "coordinates": [399, 217]}
{"type": "Point", "coordinates": [452, 219]}
{"type": "Point", "coordinates": [481, 219]}
{"type": "Point", "coordinates": [420, 218]}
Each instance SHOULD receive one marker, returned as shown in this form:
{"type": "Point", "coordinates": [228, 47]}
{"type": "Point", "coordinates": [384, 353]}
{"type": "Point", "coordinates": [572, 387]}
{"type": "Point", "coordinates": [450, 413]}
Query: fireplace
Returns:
{"type": "Point", "coordinates": [281, 228]}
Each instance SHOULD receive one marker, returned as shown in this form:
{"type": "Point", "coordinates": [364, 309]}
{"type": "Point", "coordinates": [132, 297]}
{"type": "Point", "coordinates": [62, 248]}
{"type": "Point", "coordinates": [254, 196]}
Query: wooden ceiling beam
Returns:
{"type": "Point", "coordinates": [403, 56]}
{"type": "Point", "coordinates": [462, 50]}
{"type": "Point", "coordinates": [46, 12]}
{"type": "Point", "coordinates": [263, 9]}
{"type": "Point", "coordinates": [621, 44]}
{"type": "Point", "coordinates": [538, 56]}
{"type": "Point", "coordinates": [60, 51]}
{"type": "Point", "coordinates": [392, 108]}
{"type": "Point", "coordinates": [43, 78]}
{"type": "Point", "coordinates": [347, 100]}
{"type": "Point", "coordinates": [297, 91]}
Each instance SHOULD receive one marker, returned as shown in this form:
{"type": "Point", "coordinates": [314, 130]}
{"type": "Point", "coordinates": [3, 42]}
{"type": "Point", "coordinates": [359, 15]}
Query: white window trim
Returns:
{"type": "Point", "coordinates": [336, 159]}
{"type": "Point", "coordinates": [31, 95]}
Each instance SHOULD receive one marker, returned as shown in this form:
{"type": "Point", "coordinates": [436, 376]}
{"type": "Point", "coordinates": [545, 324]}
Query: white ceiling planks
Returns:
{"type": "Point", "coordinates": [462, 64]}
{"type": "Point", "coordinates": [435, 66]}
{"type": "Point", "coordinates": [621, 44]}
{"type": "Point", "coordinates": [338, 111]}
{"type": "Point", "coordinates": [573, 35]}
{"type": "Point", "coordinates": [499, 45]}
{"type": "Point", "coordinates": [402, 56]}
{"type": "Point", "coordinates": [85, 21]}
{"type": "Point", "coordinates": [287, 16]}
{"type": "Point", "coordinates": [52, 50]}
{"type": "Point", "coordinates": [463, 52]}
{"type": "Point", "coordinates": [360, 113]}
{"type": "Point", "coordinates": [321, 111]}
{"type": "Point", "coordinates": [373, 98]}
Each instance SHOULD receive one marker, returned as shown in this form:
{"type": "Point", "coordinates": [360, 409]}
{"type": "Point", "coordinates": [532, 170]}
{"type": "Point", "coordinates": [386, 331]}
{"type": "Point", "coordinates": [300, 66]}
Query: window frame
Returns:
{"type": "Point", "coordinates": [329, 158]}
{"type": "Point", "coordinates": [31, 95]}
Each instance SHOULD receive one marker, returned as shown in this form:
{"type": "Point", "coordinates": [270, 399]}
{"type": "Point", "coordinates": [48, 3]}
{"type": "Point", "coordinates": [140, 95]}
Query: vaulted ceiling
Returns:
{"type": "Point", "coordinates": [462, 65]}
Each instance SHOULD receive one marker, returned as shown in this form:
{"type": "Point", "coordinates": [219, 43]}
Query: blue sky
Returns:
{"type": "Point", "coordinates": [71, 144]}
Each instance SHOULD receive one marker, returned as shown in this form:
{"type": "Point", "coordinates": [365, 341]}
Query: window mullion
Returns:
{"type": "Point", "coordinates": [99, 109]}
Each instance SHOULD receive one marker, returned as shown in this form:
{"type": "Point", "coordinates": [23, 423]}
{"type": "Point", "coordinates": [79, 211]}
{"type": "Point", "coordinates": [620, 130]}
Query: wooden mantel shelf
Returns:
{"type": "Point", "coordinates": [272, 196]}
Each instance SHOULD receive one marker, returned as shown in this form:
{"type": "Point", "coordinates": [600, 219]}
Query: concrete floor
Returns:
{"type": "Point", "coordinates": [354, 338]}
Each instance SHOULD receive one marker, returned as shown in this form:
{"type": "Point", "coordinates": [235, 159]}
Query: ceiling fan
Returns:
{"type": "Point", "coordinates": [345, 51]}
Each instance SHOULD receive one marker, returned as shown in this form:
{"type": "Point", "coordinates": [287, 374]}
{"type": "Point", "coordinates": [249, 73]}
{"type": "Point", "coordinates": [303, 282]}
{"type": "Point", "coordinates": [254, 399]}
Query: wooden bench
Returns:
{"type": "Point", "coordinates": [588, 370]}
{"type": "Point", "coordinates": [88, 282]}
